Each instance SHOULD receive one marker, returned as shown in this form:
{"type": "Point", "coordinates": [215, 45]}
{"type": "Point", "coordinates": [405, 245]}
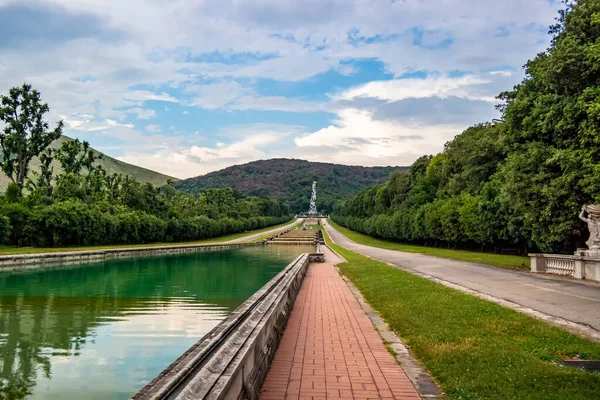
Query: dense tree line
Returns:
{"type": "Point", "coordinates": [516, 184]}
{"type": "Point", "coordinates": [84, 205]}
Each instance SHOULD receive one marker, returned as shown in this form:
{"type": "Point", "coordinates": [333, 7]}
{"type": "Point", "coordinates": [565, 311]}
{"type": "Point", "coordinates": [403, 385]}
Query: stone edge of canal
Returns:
{"type": "Point", "coordinates": [12, 263]}
{"type": "Point", "coordinates": [232, 360]}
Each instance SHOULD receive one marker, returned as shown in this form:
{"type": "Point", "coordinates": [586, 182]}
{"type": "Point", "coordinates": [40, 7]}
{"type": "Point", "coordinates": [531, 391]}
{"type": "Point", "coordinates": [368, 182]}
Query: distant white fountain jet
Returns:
{"type": "Point", "coordinates": [312, 211]}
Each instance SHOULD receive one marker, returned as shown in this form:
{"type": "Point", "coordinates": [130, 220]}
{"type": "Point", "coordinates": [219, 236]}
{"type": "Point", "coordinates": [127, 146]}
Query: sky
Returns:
{"type": "Point", "coordinates": [187, 87]}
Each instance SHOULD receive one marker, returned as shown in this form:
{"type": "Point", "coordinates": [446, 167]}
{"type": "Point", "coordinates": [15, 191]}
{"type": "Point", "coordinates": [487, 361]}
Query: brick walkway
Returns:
{"type": "Point", "coordinates": [330, 349]}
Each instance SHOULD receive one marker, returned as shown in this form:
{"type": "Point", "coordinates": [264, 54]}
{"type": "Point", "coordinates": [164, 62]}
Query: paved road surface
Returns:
{"type": "Point", "coordinates": [556, 296]}
{"type": "Point", "coordinates": [259, 235]}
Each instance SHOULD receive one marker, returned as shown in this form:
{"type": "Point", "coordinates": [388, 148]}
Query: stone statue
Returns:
{"type": "Point", "coordinates": [593, 221]}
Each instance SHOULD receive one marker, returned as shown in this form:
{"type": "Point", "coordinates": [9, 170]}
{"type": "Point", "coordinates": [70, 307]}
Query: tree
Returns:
{"type": "Point", "coordinates": [553, 130]}
{"type": "Point", "coordinates": [42, 182]}
{"type": "Point", "coordinates": [75, 155]}
{"type": "Point", "coordinates": [26, 134]}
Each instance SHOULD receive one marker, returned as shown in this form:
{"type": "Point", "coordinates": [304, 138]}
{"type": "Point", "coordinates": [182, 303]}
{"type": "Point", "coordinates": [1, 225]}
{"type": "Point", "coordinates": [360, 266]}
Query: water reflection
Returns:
{"type": "Point", "coordinates": [104, 330]}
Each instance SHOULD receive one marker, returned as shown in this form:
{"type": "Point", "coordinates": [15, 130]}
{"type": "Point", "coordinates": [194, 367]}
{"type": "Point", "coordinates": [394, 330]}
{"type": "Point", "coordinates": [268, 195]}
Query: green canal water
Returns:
{"type": "Point", "coordinates": [102, 331]}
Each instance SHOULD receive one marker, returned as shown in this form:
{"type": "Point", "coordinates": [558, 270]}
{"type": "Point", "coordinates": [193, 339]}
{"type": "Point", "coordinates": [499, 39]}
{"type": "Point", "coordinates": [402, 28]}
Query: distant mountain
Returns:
{"type": "Point", "coordinates": [291, 180]}
{"type": "Point", "coordinates": [110, 164]}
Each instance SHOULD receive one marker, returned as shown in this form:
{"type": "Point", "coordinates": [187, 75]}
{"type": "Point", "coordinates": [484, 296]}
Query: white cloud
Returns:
{"type": "Point", "coordinates": [436, 85]}
{"type": "Point", "coordinates": [142, 113]}
{"type": "Point", "coordinates": [185, 112]}
{"type": "Point", "coordinates": [396, 121]}
{"type": "Point", "coordinates": [232, 95]}
{"type": "Point", "coordinates": [358, 139]}
{"type": "Point", "coordinates": [279, 103]}
{"type": "Point", "coordinates": [502, 73]}
{"type": "Point", "coordinates": [153, 128]}
{"type": "Point", "coordinates": [197, 160]}
{"type": "Point", "coordinates": [186, 157]}
{"type": "Point", "coordinates": [87, 123]}
{"type": "Point", "coordinates": [155, 47]}
{"type": "Point", "coordinates": [216, 95]}
{"type": "Point", "coordinates": [144, 95]}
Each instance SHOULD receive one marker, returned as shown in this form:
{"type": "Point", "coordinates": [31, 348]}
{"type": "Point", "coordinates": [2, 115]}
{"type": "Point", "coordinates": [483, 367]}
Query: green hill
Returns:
{"type": "Point", "coordinates": [291, 180]}
{"type": "Point", "coordinates": [110, 164]}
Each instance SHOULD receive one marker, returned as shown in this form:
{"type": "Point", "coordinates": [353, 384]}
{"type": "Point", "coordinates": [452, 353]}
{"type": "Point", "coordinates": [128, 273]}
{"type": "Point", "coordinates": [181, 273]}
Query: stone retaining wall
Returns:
{"type": "Point", "coordinates": [41, 260]}
{"type": "Point", "coordinates": [232, 360]}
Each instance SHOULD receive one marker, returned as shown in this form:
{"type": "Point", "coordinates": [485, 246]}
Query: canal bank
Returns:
{"type": "Point", "coordinates": [70, 258]}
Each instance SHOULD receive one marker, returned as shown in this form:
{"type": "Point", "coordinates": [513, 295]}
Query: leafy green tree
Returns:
{"type": "Point", "coordinates": [113, 185]}
{"type": "Point", "coordinates": [41, 183]}
{"type": "Point", "coordinates": [13, 193]}
{"type": "Point", "coordinates": [553, 126]}
{"type": "Point", "coordinates": [26, 134]}
{"type": "Point", "coordinates": [74, 156]}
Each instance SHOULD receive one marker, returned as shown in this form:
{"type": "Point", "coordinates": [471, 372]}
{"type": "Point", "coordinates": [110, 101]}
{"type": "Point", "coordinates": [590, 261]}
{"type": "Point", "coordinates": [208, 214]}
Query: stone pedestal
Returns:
{"type": "Point", "coordinates": [588, 253]}
{"type": "Point", "coordinates": [591, 263]}
{"type": "Point", "coordinates": [579, 269]}
{"type": "Point", "coordinates": [538, 263]}
{"type": "Point", "coordinates": [592, 269]}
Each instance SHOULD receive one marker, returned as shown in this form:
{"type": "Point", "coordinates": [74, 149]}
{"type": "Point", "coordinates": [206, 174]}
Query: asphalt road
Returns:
{"type": "Point", "coordinates": [575, 301]}
{"type": "Point", "coordinates": [259, 235]}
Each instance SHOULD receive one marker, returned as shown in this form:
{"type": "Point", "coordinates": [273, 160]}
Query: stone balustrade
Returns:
{"type": "Point", "coordinates": [576, 266]}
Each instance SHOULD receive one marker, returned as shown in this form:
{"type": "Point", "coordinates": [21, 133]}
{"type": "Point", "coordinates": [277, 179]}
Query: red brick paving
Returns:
{"type": "Point", "coordinates": [330, 349]}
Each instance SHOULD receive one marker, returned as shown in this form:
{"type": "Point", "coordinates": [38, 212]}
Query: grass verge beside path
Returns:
{"type": "Point", "coordinates": [473, 348]}
{"type": "Point", "coordinates": [8, 250]}
{"type": "Point", "coordinates": [500, 260]}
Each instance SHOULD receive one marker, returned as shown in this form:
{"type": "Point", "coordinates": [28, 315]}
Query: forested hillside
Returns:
{"type": "Point", "coordinates": [291, 180]}
{"type": "Point", "coordinates": [519, 183]}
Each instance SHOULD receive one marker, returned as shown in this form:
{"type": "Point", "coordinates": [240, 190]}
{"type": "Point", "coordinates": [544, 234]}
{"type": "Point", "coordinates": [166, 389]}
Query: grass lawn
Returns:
{"type": "Point", "coordinates": [500, 260]}
{"type": "Point", "coordinates": [8, 250]}
{"type": "Point", "coordinates": [473, 348]}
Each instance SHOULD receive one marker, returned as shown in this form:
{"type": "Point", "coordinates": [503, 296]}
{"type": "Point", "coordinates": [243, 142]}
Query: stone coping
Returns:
{"type": "Point", "coordinates": [291, 243]}
{"type": "Point", "coordinates": [29, 261]}
{"type": "Point", "coordinates": [565, 256]}
{"type": "Point", "coordinates": [553, 255]}
{"type": "Point", "coordinates": [232, 360]}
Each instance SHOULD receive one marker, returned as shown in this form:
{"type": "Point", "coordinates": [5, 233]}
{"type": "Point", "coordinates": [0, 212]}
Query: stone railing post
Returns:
{"type": "Point", "coordinates": [538, 263]}
{"type": "Point", "coordinates": [579, 268]}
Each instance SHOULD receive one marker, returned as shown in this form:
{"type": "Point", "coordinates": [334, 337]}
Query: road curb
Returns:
{"type": "Point", "coordinates": [418, 375]}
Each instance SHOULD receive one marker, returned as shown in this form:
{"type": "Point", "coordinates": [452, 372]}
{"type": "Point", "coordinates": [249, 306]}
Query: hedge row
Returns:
{"type": "Point", "coordinates": [71, 223]}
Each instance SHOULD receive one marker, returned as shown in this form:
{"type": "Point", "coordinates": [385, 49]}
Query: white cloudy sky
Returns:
{"type": "Point", "coordinates": [186, 87]}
